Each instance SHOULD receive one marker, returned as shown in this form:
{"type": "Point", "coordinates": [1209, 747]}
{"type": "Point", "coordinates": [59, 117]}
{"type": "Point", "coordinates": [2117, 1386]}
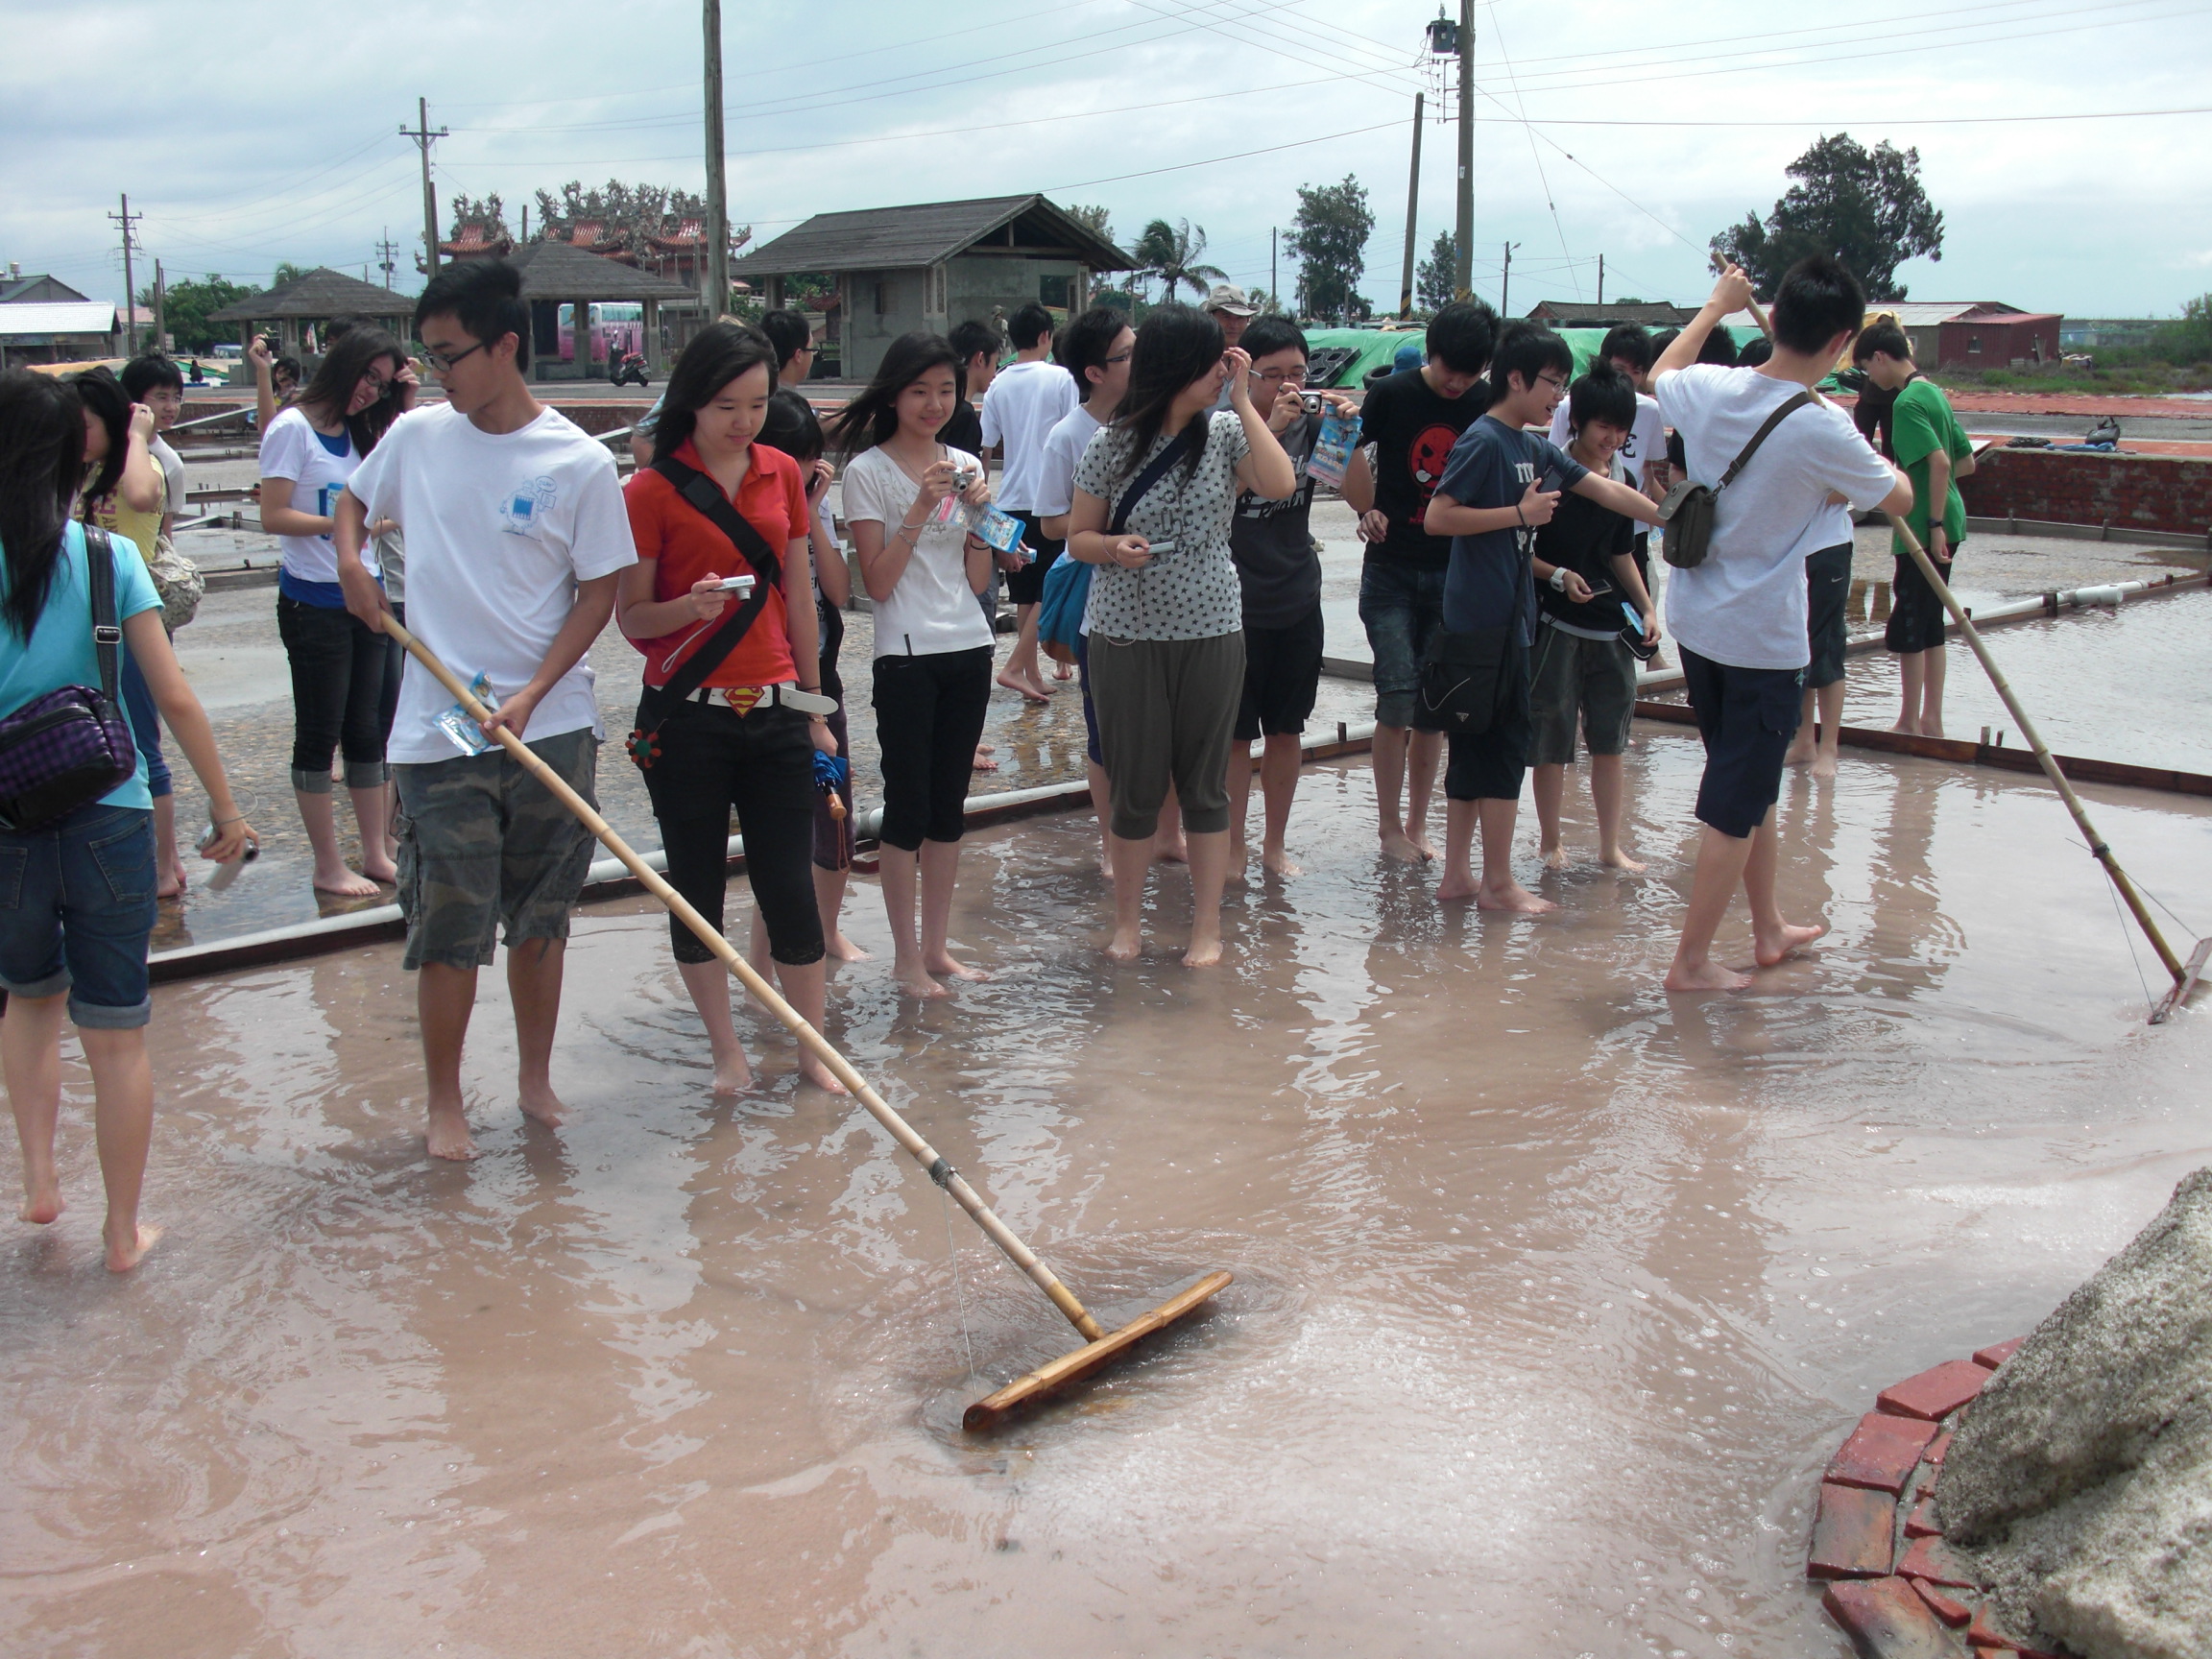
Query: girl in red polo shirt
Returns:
{"type": "Point", "coordinates": [736, 739]}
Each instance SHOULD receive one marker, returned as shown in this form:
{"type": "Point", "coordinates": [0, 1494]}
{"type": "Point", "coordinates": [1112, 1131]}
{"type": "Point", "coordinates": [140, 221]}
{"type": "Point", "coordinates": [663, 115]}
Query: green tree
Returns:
{"type": "Point", "coordinates": [1174, 254]}
{"type": "Point", "coordinates": [186, 309]}
{"type": "Point", "coordinates": [1329, 239]}
{"type": "Point", "coordinates": [287, 272]}
{"type": "Point", "coordinates": [1099, 219]}
{"type": "Point", "coordinates": [1864, 207]}
{"type": "Point", "coordinates": [2188, 341]}
{"type": "Point", "coordinates": [1433, 277]}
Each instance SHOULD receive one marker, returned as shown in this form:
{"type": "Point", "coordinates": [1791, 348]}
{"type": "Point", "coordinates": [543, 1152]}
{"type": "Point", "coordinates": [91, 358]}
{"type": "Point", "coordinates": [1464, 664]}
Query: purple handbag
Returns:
{"type": "Point", "coordinates": [72, 746]}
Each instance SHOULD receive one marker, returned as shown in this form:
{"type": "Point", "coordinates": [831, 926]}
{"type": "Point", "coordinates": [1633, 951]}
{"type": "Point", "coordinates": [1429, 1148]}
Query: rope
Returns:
{"type": "Point", "coordinates": [959, 1296]}
{"type": "Point", "coordinates": [2126, 936]}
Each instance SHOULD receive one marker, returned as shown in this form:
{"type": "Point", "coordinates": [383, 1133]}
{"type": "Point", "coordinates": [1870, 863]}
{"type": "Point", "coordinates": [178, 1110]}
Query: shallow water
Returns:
{"type": "Point", "coordinates": [1552, 1295]}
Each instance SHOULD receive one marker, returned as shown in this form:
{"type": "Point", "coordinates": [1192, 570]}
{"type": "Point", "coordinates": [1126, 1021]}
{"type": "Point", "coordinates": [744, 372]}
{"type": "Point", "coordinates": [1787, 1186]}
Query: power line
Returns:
{"type": "Point", "coordinates": [1211, 160]}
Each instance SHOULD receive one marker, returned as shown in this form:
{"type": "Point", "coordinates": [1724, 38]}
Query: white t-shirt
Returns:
{"type": "Point", "coordinates": [1064, 447]}
{"type": "Point", "coordinates": [173, 483]}
{"type": "Point", "coordinates": [292, 448]}
{"type": "Point", "coordinates": [1647, 437]}
{"type": "Point", "coordinates": [500, 529]}
{"type": "Point", "coordinates": [1019, 410]}
{"type": "Point", "coordinates": [932, 610]}
{"type": "Point", "coordinates": [1745, 605]}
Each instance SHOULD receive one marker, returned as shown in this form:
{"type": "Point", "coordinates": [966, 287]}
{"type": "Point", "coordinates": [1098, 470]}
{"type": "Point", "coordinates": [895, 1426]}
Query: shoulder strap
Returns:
{"type": "Point", "coordinates": [106, 632]}
{"type": "Point", "coordinates": [1145, 479]}
{"type": "Point", "coordinates": [1788, 408]}
{"type": "Point", "coordinates": [706, 498]}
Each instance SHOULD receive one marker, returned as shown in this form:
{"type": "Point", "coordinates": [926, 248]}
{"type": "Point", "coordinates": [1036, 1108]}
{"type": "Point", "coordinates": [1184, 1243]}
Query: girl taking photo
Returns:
{"type": "Point", "coordinates": [73, 937]}
{"type": "Point", "coordinates": [732, 711]}
{"type": "Point", "coordinates": [923, 572]}
{"type": "Point", "coordinates": [344, 676]}
{"type": "Point", "coordinates": [1154, 496]}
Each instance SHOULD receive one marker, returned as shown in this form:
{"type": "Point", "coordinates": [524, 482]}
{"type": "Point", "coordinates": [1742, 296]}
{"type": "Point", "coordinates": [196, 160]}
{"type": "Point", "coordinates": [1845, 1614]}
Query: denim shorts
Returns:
{"type": "Point", "coordinates": [1400, 607]}
{"type": "Point", "coordinates": [76, 910]}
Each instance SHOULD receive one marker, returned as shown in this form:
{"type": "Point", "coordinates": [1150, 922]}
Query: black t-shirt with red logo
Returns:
{"type": "Point", "coordinates": [1413, 430]}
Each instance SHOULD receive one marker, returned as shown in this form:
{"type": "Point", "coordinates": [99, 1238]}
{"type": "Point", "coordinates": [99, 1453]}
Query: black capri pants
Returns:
{"type": "Point", "coordinates": [712, 759]}
{"type": "Point", "coordinates": [928, 718]}
{"type": "Point", "coordinates": [345, 691]}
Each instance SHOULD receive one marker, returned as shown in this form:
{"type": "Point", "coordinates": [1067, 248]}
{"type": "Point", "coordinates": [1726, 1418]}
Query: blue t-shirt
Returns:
{"type": "Point", "coordinates": [59, 651]}
{"type": "Point", "coordinates": [1492, 465]}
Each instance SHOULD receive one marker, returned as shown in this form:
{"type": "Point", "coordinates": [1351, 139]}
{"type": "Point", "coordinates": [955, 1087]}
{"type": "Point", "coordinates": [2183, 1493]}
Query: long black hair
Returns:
{"type": "Point", "coordinates": [101, 397]}
{"type": "Point", "coordinates": [874, 415]}
{"type": "Point", "coordinates": [792, 427]}
{"type": "Point", "coordinates": [340, 372]}
{"type": "Point", "coordinates": [718, 353]}
{"type": "Point", "coordinates": [1176, 344]}
{"type": "Point", "coordinates": [41, 458]}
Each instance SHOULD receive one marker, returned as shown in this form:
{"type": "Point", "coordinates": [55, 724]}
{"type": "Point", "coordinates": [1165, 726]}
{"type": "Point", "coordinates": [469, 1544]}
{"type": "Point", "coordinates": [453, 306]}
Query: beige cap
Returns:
{"type": "Point", "coordinates": [1228, 297]}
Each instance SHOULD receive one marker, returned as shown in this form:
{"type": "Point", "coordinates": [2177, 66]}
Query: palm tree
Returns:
{"type": "Point", "coordinates": [1172, 253]}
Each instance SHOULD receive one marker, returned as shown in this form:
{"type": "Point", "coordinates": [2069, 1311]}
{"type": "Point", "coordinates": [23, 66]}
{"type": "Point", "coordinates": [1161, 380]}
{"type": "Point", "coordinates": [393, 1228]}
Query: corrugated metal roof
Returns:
{"type": "Point", "coordinates": [1927, 313]}
{"type": "Point", "coordinates": [903, 238]}
{"type": "Point", "coordinates": [57, 317]}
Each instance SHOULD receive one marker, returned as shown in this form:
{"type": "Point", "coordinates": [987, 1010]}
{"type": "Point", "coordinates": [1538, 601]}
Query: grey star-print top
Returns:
{"type": "Point", "coordinates": [1192, 592]}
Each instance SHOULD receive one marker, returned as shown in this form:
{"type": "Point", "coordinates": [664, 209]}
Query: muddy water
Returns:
{"type": "Point", "coordinates": [1553, 1296]}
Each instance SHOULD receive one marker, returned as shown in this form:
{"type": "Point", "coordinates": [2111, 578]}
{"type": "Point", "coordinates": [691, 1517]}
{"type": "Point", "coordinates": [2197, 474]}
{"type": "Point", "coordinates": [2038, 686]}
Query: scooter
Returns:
{"type": "Point", "coordinates": [629, 369]}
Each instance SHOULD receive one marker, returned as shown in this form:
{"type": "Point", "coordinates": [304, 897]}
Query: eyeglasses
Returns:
{"type": "Point", "coordinates": [442, 362]}
{"type": "Point", "coordinates": [1280, 376]}
{"type": "Point", "coordinates": [1120, 357]}
{"type": "Point", "coordinates": [1554, 381]}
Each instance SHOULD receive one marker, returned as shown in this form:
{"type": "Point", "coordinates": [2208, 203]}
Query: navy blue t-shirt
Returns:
{"type": "Point", "coordinates": [1489, 585]}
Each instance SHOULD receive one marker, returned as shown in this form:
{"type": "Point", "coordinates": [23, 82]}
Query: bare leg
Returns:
{"type": "Point", "coordinates": [123, 1124]}
{"type": "Point", "coordinates": [1910, 672]}
{"type": "Point", "coordinates": [1499, 890]}
{"type": "Point", "coordinates": [170, 879]}
{"type": "Point", "coordinates": [371, 810]}
{"type": "Point", "coordinates": [940, 869]}
{"type": "Point", "coordinates": [1100, 802]}
{"type": "Point", "coordinates": [1020, 673]}
{"type": "Point", "coordinates": [1460, 820]}
{"type": "Point", "coordinates": [534, 970]}
{"type": "Point", "coordinates": [1608, 785]}
{"type": "Point", "coordinates": [1720, 865]}
{"type": "Point", "coordinates": [1209, 869]}
{"type": "Point", "coordinates": [1239, 779]}
{"type": "Point", "coordinates": [1772, 939]}
{"type": "Point", "coordinates": [1132, 862]}
{"type": "Point", "coordinates": [1932, 692]}
{"type": "Point", "coordinates": [1800, 751]}
{"type": "Point", "coordinates": [830, 900]}
{"type": "Point", "coordinates": [31, 1061]}
{"type": "Point", "coordinates": [1423, 751]}
{"type": "Point", "coordinates": [1387, 754]}
{"type": "Point", "coordinates": [321, 817]}
{"type": "Point", "coordinates": [1548, 784]}
{"type": "Point", "coordinates": [1828, 760]}
{"type": "Point", "coordinates": [709, 984]}
{"type": "Point", "coordinates": [443, 999]}
{"type": "Point", "coordinates": [1280, 759]}
{"type": "Point", "coordinates": [900, 871]}
{"type": "Point", "coordinates": [1167, 840]}
{"type": "Point", "coordinates": [803, 988]}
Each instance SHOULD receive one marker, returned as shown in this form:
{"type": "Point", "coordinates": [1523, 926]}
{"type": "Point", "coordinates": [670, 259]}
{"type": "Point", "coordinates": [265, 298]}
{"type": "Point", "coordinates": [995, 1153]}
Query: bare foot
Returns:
{"type": "Point", "coordinates": [1170, 852]}
{"type": "Point", "coordinates": [1276, 862]}
{"type": "Point", "coordinates": [1456, 888]}
{"type": "Point", "coordinates": [123, 1255]}
{"type": "Point", "coordinates": [172, 883]}
{"type": "Point", "coordinates": [1930, 728]}
{"type": "Point", "coordinates": [840, 948]}
{"type": "Point", "coordinates": [537, 1100]}
{"type": "Point", "coordinates": [449, 1134]}
{"type": "Point", "coordinates": [1705, 975]}
{"type": "Point", "coordinates": [43, 1204]}
{"type": "Point", "coordinates": [732, 1076]}
{"type": "Point", "coordinates": [813, 1071]}
{"type": "Point", "coordinates": [1555, 857]}
{"type": "Point", "coordinates": [942, 963]}
{"type": "Point", "coordinates": [913, 982]}
{"type": "Point", "coordinates": [982, 762]}
{"type": "Point", "coordinates": [1513, 898]}
{"type": "Point", "coordinates": [1800, 755]}
{"type": "Point", "coordinates": [1824, 766]}
{"type": "Point", "coordinates": [1124, 946]}
{"type": "Point", "coordinates": [1767, 952]}
{"type": "Point", "coordinates": [1015, 682]}
{"type": "Point", "coordinates": [1422, 845]}
{"type": "Point", "coordinates": [1036, 682]}
{"type": "Point", "coordinates": [1203, 953]}
{"type": "Point", "coordinates": [1620, 860]}
{"type": "Point", "coordinates": [1396, 844]}
{"type": "Point", "coordinates": [1911, 728]}
{"type": "Point", "coordinates": [344, 883]}
{"type": "Point", "coordinates": [1062, 671]}
{"type": "Point", "coordinates": [380, 870]}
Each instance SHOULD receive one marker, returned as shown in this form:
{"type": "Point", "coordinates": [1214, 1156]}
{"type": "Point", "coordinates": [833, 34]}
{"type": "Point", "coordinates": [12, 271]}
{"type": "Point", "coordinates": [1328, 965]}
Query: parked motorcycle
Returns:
{"type": "Point", "coordinates": [628, 370]}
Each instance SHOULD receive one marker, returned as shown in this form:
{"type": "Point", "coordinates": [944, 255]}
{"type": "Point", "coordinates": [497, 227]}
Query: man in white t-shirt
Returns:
{"type": "Point", "coordinates": [1739, 616]}
{"type": "Point", "coordinates": [516, 533]}
{"type": "Point", "coordinates": [1026, 399]}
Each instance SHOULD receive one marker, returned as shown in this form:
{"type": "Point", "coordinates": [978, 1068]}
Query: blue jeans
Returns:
{"type": "Point", "coordinates": [1401, 608]}
{"type": "Point", "coordinates": [145, 724]}
{"type": "Point", "coordinates": [76, 910]}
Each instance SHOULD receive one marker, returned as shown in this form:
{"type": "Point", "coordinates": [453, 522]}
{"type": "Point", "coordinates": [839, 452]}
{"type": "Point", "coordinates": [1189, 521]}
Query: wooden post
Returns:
{"type": "Point", "coordinates": [1412, 217]}
{"type": "Point", "coordinates": [1464, 274]}
{"type": "Point", "coordinates": [161, 310]}
{"type": "Point", "coordinates": [718, 288]}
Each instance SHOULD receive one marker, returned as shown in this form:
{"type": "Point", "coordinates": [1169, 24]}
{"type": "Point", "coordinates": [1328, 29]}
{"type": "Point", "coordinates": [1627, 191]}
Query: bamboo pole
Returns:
{"type": "Point", "coordinates": [900, 1131]}
{"type": "Point", "coordinates": [2058, 781]}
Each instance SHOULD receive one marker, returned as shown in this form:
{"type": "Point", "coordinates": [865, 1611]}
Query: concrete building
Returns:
{"type": "Point", "coordinates": [932, 267]}
{"type": "Point", "coordinates": [1972, 334]}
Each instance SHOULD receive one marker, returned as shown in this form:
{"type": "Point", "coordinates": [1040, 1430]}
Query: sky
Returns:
{"type": "Point", "coordinates": [265, 133]}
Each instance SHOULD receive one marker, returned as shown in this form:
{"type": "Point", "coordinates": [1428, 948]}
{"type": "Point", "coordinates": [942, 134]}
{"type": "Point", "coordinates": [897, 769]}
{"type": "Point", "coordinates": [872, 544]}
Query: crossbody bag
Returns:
{"type": "Point", "coordinates": [67, 748]}
{"type": "Point", "coordinates": [1067, 584]}
{"type": "Point", "coordinates": [1687, 514]}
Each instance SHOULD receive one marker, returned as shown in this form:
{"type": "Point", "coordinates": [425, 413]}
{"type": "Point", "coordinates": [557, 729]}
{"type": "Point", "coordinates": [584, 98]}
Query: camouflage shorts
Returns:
{"type": "Point", "coordinates": [482, 842]}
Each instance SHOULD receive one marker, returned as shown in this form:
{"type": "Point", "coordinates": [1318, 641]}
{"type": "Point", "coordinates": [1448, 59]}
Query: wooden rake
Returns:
{"type": "Point", "coordinates": [1100, 1346]}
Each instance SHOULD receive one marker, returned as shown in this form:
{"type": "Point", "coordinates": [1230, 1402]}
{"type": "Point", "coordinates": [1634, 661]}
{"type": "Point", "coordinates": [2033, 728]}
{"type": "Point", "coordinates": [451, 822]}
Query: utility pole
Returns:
{"type": "Point", "coordinates": [1412, 214]}
{"type": "Point", "coordinates": [1274, 286]}
{"type": "Point", "coordinates": [161, 310]}
{"type": "Point", "coordinates": [1463, 281]}
{"type": "Point", "coordinates": [1601, 279]}
{"type": "Point", "coordinates": [385, 249]}
{"type": "Point", "coordinates": [423, 138]}
{"type": "Point", "coordinates": [717, 293]}
{"type": "Point", "coordinates": [1505, 283]}
{"type": "Point", "coordinates": [129, 221]}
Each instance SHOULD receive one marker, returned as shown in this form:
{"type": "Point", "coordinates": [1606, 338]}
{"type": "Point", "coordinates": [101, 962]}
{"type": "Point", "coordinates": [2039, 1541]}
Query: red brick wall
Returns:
{"type": "Point", "coordinates": [2128, 491]}
{"type": "Point", "coordinates": [2004, 340]}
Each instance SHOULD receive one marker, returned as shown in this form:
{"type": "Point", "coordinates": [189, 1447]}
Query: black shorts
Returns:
{"type": "Point", "coordinates": [1916, 616]}
{"type": "Point", "coordinates": [1281, 674]}
{"type": "Point", "coordinates": [1746, 717]}
{"type": "Point", "coordinates": [1026, 586]}
{"type": "Point", "coordinates": [1827, 591]}
{"type": "Point", "coordinates": [1491, 766]}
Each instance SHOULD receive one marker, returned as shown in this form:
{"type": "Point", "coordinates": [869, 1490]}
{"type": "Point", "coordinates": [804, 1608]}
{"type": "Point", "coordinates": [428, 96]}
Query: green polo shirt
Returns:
{"type": "Point", "coordinates": [1922, 424]}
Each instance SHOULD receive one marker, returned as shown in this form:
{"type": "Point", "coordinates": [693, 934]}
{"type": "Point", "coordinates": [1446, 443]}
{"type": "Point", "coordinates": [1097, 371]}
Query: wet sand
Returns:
{"type": "Point", "coordinates": [1553, 1295]}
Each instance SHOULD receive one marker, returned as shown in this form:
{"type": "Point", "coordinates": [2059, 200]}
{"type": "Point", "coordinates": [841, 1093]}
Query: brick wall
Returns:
{"type": "Point", "coordinates": [2127, 492]}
